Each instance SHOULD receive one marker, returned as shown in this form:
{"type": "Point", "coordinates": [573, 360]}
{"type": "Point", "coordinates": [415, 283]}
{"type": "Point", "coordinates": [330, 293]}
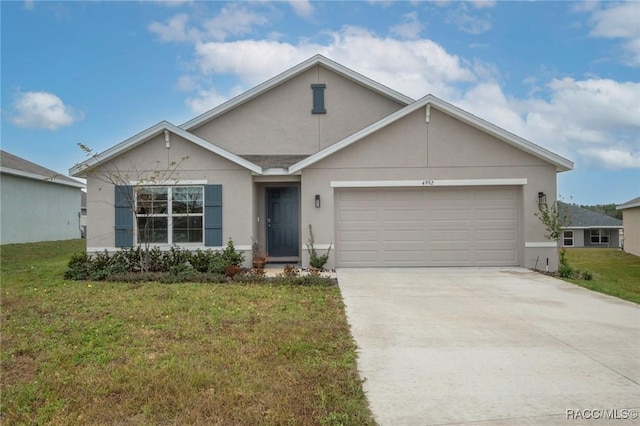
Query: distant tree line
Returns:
{"type": "Point", "coordinates": [608, 209]}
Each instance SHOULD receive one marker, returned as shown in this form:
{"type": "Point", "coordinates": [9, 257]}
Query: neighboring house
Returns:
{"type": "Point", "coordinates": [83, 213]}
{"type": "Point", "coordinates": [631, 218]}
{"type": "Point", "coordinates": [586, 228]}
{"type": "Point", "coordinates": [389, 181]}
{"type": "Point", "coordinates": [37, 204]}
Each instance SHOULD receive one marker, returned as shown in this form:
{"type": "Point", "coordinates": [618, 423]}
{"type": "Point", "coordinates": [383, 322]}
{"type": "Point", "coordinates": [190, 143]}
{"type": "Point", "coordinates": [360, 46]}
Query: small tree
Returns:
{"type": "Point", "coordinates": [145, 180]}
{"type": "Point", "coordinates": [555, 220]}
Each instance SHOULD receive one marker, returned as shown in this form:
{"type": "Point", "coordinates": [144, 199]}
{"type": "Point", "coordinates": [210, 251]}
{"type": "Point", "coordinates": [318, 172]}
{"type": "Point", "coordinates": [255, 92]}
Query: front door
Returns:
{"type": "Point", "coordinates": [282, 222]}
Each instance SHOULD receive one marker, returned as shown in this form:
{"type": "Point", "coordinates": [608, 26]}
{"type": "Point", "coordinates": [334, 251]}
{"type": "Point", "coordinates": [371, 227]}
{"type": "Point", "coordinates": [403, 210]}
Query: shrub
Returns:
{"type": "Point", "coordinates": [314, 260]}
{"type": "Point", "coordinates": [179, 264]}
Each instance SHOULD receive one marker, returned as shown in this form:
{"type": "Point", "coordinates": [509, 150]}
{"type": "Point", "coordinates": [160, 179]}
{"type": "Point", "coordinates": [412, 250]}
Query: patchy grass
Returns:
{"type": "Point", "coordinates": [614, 272]}
{"type": "Point", "coordinates": [80, 352]}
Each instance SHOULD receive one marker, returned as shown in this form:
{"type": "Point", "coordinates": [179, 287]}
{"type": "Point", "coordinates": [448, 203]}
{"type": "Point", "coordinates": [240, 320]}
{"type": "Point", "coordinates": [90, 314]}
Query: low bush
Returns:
{"type": "Point", "coordinates": [135, 264]}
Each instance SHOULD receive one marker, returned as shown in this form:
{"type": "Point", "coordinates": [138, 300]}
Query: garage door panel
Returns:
{"type": "Point", "coordinates": [358, 236]}
{"type": "Point", "coordinates": [495, 214]}
{"type": "Point", "coordinates": [446, 235]}
{"type": "Point", "coordinates": [403, 235]}
{"type": "Point", "coordinates": [358, 216]}
{"type": "Point", "coordinates": [496, 235]}
{"type": "Point", "coordinates": [406, 257]}
{"type": "Point", "coordinates": [416, 216]}
{"type": "Point", "coordinates": [428, 226]}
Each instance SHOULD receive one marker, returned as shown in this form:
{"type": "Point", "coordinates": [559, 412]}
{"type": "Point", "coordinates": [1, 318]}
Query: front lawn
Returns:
{"type": "Point", "coordinates": [614, 272]}
{"type": "Point", "coordinates": [81, 352]}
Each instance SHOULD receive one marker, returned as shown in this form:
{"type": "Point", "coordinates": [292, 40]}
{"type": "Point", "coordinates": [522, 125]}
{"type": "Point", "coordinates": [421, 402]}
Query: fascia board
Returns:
{"type": "Point", "coordinates": [151, 132]}
{"type": "Point", "coordinates": [561, 163]}
{"type": "Point", "coordinates": [287, 75]}
{"type": "Point", "coordinates": [79, 169]}
{"type": "Point", "coordinates": [35, 176]}
{"type": "Point", "coordinates": [628, 205]}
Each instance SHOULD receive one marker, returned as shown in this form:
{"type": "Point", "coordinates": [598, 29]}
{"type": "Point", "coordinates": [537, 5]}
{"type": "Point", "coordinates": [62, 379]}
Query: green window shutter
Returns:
{"type": "Point", "coordinates": [124, 215]}
{"type": "Point", "coordinates": [318, 99]}
{"type": "Point", "coordinates": [213, 215]}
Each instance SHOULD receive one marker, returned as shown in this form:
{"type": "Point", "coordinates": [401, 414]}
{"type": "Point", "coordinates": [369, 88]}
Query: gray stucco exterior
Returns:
{"type": "Point", "coordinates": [369, 137]}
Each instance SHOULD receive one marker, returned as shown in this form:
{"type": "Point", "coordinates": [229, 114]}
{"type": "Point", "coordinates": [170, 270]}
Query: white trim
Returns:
{"type": "Point", "coordinates": [594, 227]}
{"type": "Point", "coordinates": [629, 204]}
{"type": "Point", "coordinates": [319, 247]}
{"type": "Point", "coordinates": [275, 172]}
{"type": "Point", "coordinates": [169, 182]}
{"type": "Point", "coordinates": [545, 244]}
{"type": "Point", "coordinates": [425, 183]}
{"type": "Point", "coordinates": [288, 74]}
{"type": "Point", "coordinates": [561, 163]}
{"type": "Point", "coordinates": [49, 179]}
{"type": "Point", "coordinates": [153, 131]}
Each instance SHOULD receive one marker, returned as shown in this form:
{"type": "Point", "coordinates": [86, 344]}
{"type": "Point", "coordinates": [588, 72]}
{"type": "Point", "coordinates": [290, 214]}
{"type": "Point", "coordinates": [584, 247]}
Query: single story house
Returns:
{"type": "Point", "coordinates": [631, 219]}
{"type": "Point", "coordinates": [38, 204]}
{"type": "Point", "coordinates": [586, 228]}
{"type": "Point", "coordinates": [383, 179]}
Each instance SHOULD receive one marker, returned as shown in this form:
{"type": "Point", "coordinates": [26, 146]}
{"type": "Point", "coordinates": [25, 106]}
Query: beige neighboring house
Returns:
{"type": "Point", "coordinates": [386, 179]}
{"type": "Point", "coordinates": [631, 221]}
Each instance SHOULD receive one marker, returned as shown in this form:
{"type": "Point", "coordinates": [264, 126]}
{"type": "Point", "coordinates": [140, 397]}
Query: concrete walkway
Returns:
{"type": "Point", "coordinates": [491, 346]}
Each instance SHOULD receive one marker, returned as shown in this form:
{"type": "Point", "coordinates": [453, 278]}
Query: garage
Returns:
{"type": "Point", "coordinates": [428, 226]}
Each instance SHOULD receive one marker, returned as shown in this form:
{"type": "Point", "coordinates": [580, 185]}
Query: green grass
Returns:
{"type": "Point", "coordinates": [114, 353]}
{"type": "Point", "coordinates": [614, 272]}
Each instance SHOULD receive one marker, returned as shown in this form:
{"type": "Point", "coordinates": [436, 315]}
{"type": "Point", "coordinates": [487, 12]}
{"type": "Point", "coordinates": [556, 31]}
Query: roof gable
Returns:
{"type": "Point", "coordinates": [585, 218]}
{"type": "Point", "coordinates": [289, 74]}
{"type": "Point", "coordinates": [14, 165]}
{"type": "Point", "coordinates": [561, 163]}
{"type": "Point", "coordinates": [151, 132]}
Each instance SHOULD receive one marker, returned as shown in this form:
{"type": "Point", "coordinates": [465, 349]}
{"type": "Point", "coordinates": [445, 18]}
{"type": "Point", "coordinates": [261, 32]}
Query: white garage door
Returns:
{"type": "Point", "coordinates": [427, 226]}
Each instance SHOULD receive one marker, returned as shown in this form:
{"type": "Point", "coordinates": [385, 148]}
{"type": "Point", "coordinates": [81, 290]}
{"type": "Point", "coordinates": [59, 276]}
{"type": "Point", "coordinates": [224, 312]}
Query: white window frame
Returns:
{"type": "Point", "coordinates": [170, 215]}
{"type": "Point", "coordinates": [565, 237]}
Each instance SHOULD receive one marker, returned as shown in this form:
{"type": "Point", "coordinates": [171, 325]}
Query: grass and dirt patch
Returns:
{"type": "Point", "coordinates": [87, 352]}
{"type": "Point", "coordinates": [613, 272]}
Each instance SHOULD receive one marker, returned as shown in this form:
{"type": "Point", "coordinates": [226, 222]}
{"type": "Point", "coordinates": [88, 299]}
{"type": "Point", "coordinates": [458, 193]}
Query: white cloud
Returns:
{"type": "Point", "coordinates": [173, 30]}
{"type": "Point", "coordinates": [415, 67]}
{"type": "Point", "coordinates": [42, 110]}
{"type": "Point", "coordinates": [482, 4]}
{"type": "Point", "coordinates": [620, 21]}
{"type": "Point", "coordinates": [172, 3]}
{"type": "Point", "coordinates": [302, 8]}
{"type": "Point", "coordinates": [233, 19]}
{"type": "Point", "coordinates": [592, 120]}
{"type": "Point", "coordinates": [466, 22]}
{"type": "Point", "coordinates": [410, 28]}
{"type": "Point", "coordinates": [29, 4]}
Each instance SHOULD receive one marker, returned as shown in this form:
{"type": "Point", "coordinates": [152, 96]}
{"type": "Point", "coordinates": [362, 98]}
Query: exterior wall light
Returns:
{"type": "Point", "coordinates": [317, 201]}
{"type": "Point", "coordinates": [542, 198]}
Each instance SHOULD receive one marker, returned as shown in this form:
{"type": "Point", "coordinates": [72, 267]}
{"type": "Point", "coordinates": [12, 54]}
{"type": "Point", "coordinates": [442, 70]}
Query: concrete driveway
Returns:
{"type": "Point", "coordinates": [491, 346]}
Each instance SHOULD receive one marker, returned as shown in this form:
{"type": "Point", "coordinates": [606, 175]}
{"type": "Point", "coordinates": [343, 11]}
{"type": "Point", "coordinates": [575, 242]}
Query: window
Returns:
{"type": "Point", "coordinates": [599, 236]}
{"type": "Point", "coordinates": [318, 99]}
{"type": "Point", "coordinates": [170, 215]}
{"type": "Point", "coordinates": [567, 238]}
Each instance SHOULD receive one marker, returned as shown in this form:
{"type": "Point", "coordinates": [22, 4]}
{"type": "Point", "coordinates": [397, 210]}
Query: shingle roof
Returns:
{"type": "Point", "coordinates": [583, 218]}
{"type": "Point", "coordinates": [15, 165]}
{"type": "Point", "coordinates": [629, 204]}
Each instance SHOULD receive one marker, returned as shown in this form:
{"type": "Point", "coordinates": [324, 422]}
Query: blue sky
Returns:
{"type": "Point", "coordinates": [564, 75]}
